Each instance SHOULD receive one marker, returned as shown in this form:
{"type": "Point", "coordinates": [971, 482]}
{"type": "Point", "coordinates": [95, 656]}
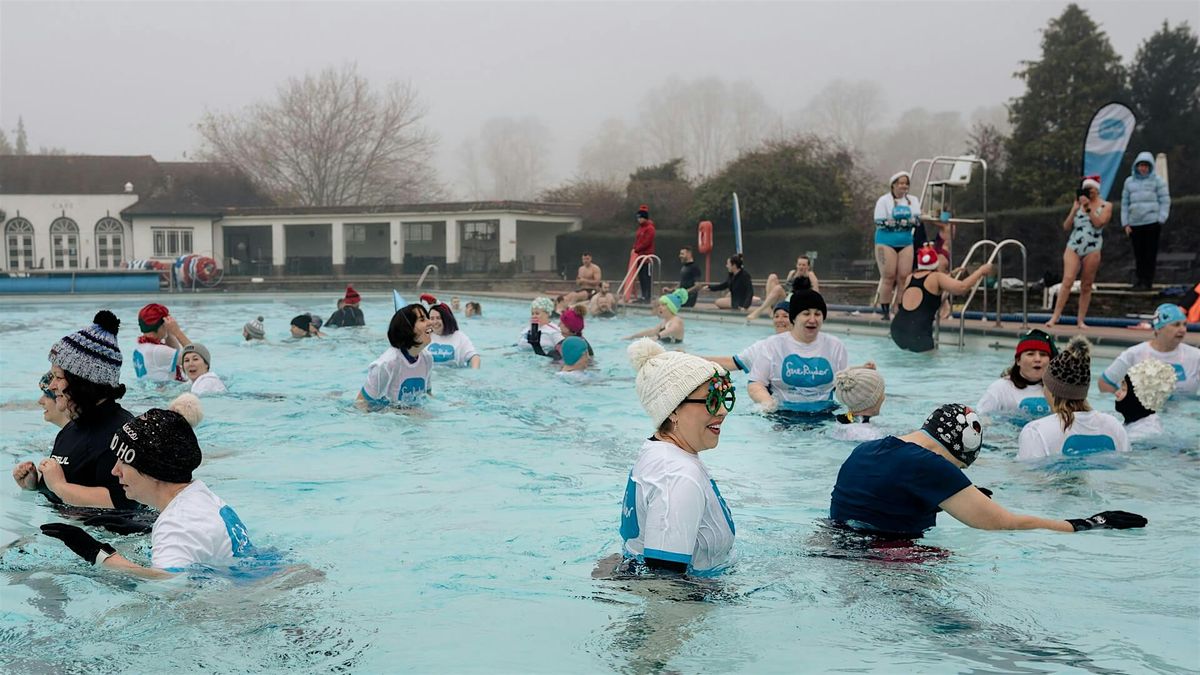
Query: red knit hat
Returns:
{"type": "Point", "coordinates": [927, 257]}
{"type": "Point", "coordinates": [352, 296]}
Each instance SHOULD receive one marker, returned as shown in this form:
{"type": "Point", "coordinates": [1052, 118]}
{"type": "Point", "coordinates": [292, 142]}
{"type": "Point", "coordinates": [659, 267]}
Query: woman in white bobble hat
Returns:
{"type": "Point", "coordinates": [861, 390]}
{"type": "Point", "coordinates": [673, 518]}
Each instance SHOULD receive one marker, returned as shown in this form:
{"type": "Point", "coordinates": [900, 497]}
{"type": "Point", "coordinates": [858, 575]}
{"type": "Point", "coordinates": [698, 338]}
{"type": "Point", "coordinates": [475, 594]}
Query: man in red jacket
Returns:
{"type": "Point", "coordinates": [644, 245]}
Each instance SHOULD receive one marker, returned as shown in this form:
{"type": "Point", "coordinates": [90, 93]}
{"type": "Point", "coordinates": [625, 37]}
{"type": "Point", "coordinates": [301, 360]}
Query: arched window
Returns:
{"type": "Point", "coordinates": [110, 236]}
{"type": "Point", "coordinates": [64, 244]}
{"type": "Point", "coordinates": [18, 241]}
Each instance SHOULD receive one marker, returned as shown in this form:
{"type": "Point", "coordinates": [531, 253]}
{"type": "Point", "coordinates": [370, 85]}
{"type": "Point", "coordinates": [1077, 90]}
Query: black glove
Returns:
{"type": "Point", "coordinates": [82, 543]}
{"type": "Point", "coordinates": [118, 524]}
{"type": "Point", "coordinates": [986, 493]}
{"type": "Point", "coordinates": [1114, 520]}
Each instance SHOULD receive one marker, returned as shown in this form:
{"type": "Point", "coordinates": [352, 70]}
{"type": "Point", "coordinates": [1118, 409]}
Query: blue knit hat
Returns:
{"type": "Point", "coordinates": [92, 353]}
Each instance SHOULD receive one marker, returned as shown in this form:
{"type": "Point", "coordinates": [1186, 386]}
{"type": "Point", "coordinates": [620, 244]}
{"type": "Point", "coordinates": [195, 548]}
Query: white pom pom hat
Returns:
{"type": "Point", "coordinates": [665, 378]}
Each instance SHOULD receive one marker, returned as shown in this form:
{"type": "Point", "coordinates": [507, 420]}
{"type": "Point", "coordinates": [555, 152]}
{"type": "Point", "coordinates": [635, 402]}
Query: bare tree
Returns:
{"type": "Point", "coordinates": [844, 111]}
{"type": "Point", "coordinates": [511, 153]}
{"type": "Point", "coordinates": [614, 153]}
{"type": "Point", "coordinates": [329, 140]}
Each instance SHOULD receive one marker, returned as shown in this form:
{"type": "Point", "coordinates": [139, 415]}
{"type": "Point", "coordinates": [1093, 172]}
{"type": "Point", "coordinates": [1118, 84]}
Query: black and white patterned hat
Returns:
{"type": "Point", "coordinates": [92, 353]}
{"type": "Point", "coordinates": [958, 429]}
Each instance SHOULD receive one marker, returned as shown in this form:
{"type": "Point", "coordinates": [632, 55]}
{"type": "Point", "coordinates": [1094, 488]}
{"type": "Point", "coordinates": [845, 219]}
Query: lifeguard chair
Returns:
{"type": "Point", "coordinates": [951, 173]}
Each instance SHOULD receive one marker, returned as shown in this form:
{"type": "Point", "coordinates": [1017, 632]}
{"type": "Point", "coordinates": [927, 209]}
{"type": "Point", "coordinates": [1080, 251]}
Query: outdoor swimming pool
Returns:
{"type": "Point", "coordinates": [461, 538]}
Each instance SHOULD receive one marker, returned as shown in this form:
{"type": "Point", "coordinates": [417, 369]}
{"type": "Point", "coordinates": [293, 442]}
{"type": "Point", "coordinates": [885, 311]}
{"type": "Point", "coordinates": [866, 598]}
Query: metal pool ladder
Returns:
{"type": "Point", "coordinates": [436, 279]}
{"type": "Point", "coordinates": [626, 288]}
{"type": "Point", "coordinates": [996, 248]}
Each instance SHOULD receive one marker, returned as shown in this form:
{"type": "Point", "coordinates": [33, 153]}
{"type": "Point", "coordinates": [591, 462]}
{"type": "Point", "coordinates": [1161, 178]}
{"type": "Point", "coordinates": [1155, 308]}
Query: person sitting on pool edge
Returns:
{"type": "Point", "coordinates": [1072, 428]}
{"type": "Point", "coordinates": [156, 357]}
{"type": "Point", "coordinates": [196, 364]}
{"type": "Point", "coordinates": [253, 330]}
{"type": "Point", "coordinates": [893, 488]}
{"type": "Point", "coordinates": [1145, 390]}
{"type": "Point", "coordinates": [744, 360]}
{"type": "Point", "coordinates": [1019, 390]}
{"type": "Point", "coordinates": [400, 377]}
{"type": "Point", "coordinates": [1170, 328]}
{"type": "Point", "coordinates": [861, 391]}
{"type": "Point", "coordinates": [347, 315]}
{"type": "Point", "coordinates": [306, 325]}
{"type": "Point", "coordinates": [670, 329]}
{"type": "Point", "coordinates": [542, 336]}
{"type": "Point", "coordinates": [156, 453]}
{"type": "Point", "coordinates": [673, 518]}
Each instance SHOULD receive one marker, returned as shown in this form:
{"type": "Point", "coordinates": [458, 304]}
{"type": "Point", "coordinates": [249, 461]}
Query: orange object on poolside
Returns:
{"type": "Point", "coordinates": [1193, 313]}
{"type": "Point", "coordinates": [705, 237]}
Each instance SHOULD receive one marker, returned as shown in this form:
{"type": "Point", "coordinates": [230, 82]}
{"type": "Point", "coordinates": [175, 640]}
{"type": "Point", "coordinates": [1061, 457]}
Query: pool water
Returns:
{"type": "Point", "coordinates": [462, 537]}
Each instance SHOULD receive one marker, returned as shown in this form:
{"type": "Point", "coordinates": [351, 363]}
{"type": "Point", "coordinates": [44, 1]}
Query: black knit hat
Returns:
{"type": "Point", "coordinates": [160, 444]}
{"type": "Point", "coordinates": [804, 297]}
{"type": "Point", "coordinates": [1070, 371]}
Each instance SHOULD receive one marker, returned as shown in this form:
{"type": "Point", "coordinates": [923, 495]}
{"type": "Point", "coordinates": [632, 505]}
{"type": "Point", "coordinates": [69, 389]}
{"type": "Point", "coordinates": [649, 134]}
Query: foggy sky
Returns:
{"type": "Point", "coordinates": [134, 78]}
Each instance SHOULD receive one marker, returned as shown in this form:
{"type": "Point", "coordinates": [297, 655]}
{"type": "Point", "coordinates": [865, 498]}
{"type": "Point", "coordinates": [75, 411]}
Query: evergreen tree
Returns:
{"type": "Point", "coordinates": [22, 141]}
{"type": "Point", "coordinates": [5, 147]}
{"type": "Point", "coordinates": [1164, 83]}
{"type": "Point", "coordinates": [1078, 72]}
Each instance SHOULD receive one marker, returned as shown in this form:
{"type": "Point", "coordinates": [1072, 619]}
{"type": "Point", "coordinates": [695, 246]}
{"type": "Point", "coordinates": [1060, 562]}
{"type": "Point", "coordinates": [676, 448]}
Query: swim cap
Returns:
{"type": "Point", "coordinates": [151, 317]}
{"type": "Point", "coordinates": [804, 297]}
{"type": "Point", "coordinates": [255, 329]}
{"type": "Point", "coordinates": [665, 378]}
{"type": "Point", "coordinates": [571, 320]}
{"type": "Point", "coordinates": [858, 388]}
{"type": "Point", "coordinates": [1167, 313]}
{"type": "Point", "coordinates": [1070, 371]}
{"type": "Point", "coordinates": [160, 444]}
{"type": "Point", "coordinates": [92, 353]}
{"type": "Point", "coordinates": [573, 349]}
{"type": "Point", "coordinates": [197, 348]}
{"type": "Point", "coordinates": [542, 304]}
{"type": "Point", "coordinates": [957, 429]}
{"type": "Point", "coordinates": [782, 304]}
{"type": "Point", "coordinates": [302, 321]}
{"type": "Point", "coordinates": [674, 300]}
{"type": "Point", "coordinates": [1037, 340]}
{"type": "Point", "coordinates": [927, 257]}
{"type": "Point", "coordinates": [317, 321]}
{"type": "Point", "coordinates": [1152, 382]}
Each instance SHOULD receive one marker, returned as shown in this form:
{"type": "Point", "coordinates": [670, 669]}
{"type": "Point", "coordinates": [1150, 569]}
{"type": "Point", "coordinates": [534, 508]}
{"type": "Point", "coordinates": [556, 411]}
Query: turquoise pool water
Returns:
{"type": "Point", "coordinates": [461, 538]}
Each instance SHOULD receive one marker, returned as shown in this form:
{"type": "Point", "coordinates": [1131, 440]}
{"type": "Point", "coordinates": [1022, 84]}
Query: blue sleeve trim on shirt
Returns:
{"type": "Point", "coordinates": [667, 555]}
{"type": "Point", "coordinates": [741, 366]}
{"type": "Point", "coordinates": [373, 403]}
{"type": "Point", "coordinates": [1114, 385]}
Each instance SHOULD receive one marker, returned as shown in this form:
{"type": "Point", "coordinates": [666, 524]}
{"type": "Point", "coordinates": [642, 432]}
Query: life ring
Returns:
{"type": "Point", "coordinates": [704, 242]}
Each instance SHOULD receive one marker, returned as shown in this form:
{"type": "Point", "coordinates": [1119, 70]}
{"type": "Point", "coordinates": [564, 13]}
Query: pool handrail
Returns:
{"type": "Point", "coordinates": [997, 247]}
{"type": "Point", "coordinates": [437, 283]}
{"type": "Point", "coordinates": [626, 287]}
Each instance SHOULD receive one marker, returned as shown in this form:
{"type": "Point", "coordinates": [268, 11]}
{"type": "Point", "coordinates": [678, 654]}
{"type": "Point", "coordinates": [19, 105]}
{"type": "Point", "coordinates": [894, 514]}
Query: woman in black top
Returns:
{"type": "Point", "coordinates": [739, 285]}
{"type": "Point", "coordinates": [85, 368]}
{"type": "Point", "coordinates": [912, 327]}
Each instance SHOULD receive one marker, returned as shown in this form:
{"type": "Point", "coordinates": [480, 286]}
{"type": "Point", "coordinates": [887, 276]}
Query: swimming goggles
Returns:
{"type": "Point", "coordinates": [720, 393]}
{"type": "Point", "coordinates": [44, 385]}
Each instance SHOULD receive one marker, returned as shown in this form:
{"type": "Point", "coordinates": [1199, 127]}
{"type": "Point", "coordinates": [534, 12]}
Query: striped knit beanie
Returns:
{"type": "Point", "coordinates": [92, 353]}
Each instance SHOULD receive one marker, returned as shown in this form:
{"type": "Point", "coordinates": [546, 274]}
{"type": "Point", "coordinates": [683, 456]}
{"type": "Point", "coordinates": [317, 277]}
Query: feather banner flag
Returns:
{"type": "Point", "coordinates": [1104, 146]}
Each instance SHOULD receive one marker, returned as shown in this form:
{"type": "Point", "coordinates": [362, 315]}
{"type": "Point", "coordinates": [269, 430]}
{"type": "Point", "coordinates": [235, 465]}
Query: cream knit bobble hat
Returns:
{"type": "Point", "coordinates": [665, 378]}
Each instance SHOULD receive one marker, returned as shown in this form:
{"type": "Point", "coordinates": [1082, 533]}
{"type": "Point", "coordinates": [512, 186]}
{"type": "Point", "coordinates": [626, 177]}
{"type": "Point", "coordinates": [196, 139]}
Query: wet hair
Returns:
{"type": "Point", "coordinates": [449, 323]}
{"type": "Point", "coordinates": [402, 331]}
{"type": "Point", "coordinates": [85, 395]}
{"type": "Point", "coordinates": [1066, 408]}
{"type": "Point", "coordinates": [738, 259]}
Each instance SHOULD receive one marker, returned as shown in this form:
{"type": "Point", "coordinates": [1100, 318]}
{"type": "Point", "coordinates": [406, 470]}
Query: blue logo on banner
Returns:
{"type": "Point", "coordinates": [441, 352]}
{"type": "Point", "coordinates": [1111, 130]}
{"type": "Point", "coordinates": [1078, 445]}
{"type": "Point", "coordinates": [798, 371]}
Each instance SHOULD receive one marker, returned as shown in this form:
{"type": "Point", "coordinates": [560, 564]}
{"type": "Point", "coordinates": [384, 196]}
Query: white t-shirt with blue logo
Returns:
{"type": "Point", "coordinates": [155, 362]}
{"type": "Point", "coordinates": [1091, 432]}
{"type": "Point", "coordinates": [673, 511]}
{"type": "Point", "coordinates": [1003, 398]}
{"type": "Point", "coordinates": [1185, 359]}
{"type": "Point", "coordinates": [550, 335]}
{"type": "Point", "coordinates": [454, 349]}
{"type": "Point", "coordinates": [393, 380]}
{"type": "Point", "coordinates": [197, 528]}
{"type": "Point", "coordinates": [800, 375]}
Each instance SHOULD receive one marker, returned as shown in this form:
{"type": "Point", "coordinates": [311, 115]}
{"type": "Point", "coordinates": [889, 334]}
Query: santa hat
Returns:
{"type": "Point", "coordinates": [927, 257]}
{"type": "Point", "coordinates": [1090, 181]}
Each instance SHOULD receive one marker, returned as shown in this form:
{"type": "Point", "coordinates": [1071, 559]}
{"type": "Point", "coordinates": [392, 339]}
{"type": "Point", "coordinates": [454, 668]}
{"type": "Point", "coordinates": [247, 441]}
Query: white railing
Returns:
{"type": "Point", "coordinates": [996, 248]}
{"type": "Point", "coordinates": [436, 280]}
{"type": "Point", "coordinates": [631, 276]}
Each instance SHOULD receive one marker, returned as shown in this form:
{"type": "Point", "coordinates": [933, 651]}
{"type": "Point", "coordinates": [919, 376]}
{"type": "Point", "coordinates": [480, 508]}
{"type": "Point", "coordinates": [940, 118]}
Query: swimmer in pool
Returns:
{"type": "Point", "coordinates": [253, 330]}
{"type": "Point", "coordinates": [576, 354]}
{"type": "Point", "coordinates": [156, 357]}
{"type": "Point", "coordinates": [450, 345]}
{"type": "Point", "coordinates": [155, 454]}
{"type": "Point", "coordinates": [1170, 328]}
{"type": "Point", "coordinates": [1072, 427]}
{"type": "Point", "coordinates": [670, 329]}
{"type": "Point", "coordinates": [306, 325]}
{"type": "Point", "coordinates": [603, 304]}
{"type": "Point", "coordinates": [474, 309]}
{"type": "Point", "coordinates": [673, 518]}
{"type": "Point", "coordinates": [400, 377]}
{"type": "Point", "coordinates": [572, 324]}
{"type": "Point", "coordinates": [196, 363]}
{"type": "Point", "coordinates": [1144, 391]}
{"type": "Point", "coordinates": [744, 360]}
{"type": "Point", "coordinates": [542, 336]}
{"type": "Point", "coordinates": [1019, 390]}
{"type": "Point", "coordinates": [893, 487]}
{"type": "Point", "coordinates": [861, 391]}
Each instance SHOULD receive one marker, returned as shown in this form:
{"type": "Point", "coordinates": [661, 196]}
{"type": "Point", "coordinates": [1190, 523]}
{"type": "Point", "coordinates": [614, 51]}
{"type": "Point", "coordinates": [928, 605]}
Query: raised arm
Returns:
{"type": "Point", "coordinates": [958, 287]}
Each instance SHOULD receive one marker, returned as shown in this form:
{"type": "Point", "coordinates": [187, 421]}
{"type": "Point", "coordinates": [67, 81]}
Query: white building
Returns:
{"type": "Point", "coordinates": [97, 212]}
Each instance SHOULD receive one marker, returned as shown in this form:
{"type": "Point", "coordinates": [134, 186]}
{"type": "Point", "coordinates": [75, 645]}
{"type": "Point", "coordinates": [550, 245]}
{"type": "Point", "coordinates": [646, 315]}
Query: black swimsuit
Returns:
{"type": "Point", "coordinates": [912, 329]}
